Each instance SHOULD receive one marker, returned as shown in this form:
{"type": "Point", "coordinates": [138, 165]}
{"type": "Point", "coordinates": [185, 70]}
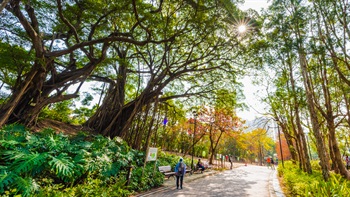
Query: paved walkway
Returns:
{"type": "Point", "coordinates": [251, 180]}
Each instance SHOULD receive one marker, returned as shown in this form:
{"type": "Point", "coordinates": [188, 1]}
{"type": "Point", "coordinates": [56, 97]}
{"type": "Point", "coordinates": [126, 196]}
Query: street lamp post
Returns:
{"type": "Point", "coordinates": [194, 134]}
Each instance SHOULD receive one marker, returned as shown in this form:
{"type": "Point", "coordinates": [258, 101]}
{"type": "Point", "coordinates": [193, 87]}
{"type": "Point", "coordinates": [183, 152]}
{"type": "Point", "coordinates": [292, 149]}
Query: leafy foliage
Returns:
{"type": "Point", "coordinates": [46, 163]}
{"type": "Point", "coordinates": [299, 183]}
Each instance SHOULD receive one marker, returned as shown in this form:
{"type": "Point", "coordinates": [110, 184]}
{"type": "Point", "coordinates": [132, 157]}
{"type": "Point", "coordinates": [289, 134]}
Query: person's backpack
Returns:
{"type": "Point", "coordinates": [180, 169]}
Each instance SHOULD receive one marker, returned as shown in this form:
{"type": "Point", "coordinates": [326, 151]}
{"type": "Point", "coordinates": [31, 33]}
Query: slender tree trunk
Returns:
{"type": "Point", "coordinates": [151, 128]}
{"type": "Point", "coordinates": [16, 98]}
{"type": "Point", "coordinates": [337, 163]}
{"type": "Point", "coordinates": [313, 116]}
{"type": "Point", "coordinates": [299, 132]}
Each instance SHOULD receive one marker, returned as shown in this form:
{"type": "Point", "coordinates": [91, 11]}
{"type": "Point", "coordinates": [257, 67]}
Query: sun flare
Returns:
{"type": "Point", "coordinates": [242, 28]}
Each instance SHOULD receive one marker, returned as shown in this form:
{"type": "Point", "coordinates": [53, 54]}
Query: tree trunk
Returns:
{"type": "Point", "coordinates": [299, 134]}
{"type": "Point", "coordinates": [3, 4]}
{"type": "Point", "coordinates": [335, 154]}
{"type": "Point", "coordinates": [151, 128]}
{"type": "Point", "coordinates": [313, 116]}
{"type": "Point", "coordinates": [15, 99]}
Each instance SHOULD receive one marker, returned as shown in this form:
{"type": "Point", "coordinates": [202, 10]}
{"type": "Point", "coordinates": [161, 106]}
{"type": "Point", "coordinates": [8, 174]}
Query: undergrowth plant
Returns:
{"type": "Point", "coordinates": [45, 163]}
{"type": "Point", "coordinates": [299, 183]}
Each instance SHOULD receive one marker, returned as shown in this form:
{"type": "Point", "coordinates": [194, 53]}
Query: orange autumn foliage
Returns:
{"type": "Point", "coordinates": [285, 149]}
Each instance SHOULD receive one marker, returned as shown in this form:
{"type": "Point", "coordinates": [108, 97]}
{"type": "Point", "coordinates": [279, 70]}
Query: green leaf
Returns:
{"type": "Point", "coordinates": [63, 166]}
{"type": "Point", "coordinates": [6, 179]}
{"type": "Point", "coordinates": [26, 186]}
{"type": "Point", "coordinates": [25, 163]}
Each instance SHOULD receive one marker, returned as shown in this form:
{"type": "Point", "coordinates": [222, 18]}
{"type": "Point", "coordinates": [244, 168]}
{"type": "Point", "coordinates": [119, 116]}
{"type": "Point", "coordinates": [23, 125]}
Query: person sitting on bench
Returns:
{"type": "Point", "coordinates": [200, 165]}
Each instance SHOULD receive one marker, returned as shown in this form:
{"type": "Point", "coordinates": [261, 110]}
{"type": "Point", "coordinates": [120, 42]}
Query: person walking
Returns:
{"type": "Point", "coordinates": [180, 170]}
{"type": "Point", "coordinates": [230, 160]}
{"type": "Point", "coordinates": [272, 164]}
{"type": "Point", "coordinates": [268, 162]}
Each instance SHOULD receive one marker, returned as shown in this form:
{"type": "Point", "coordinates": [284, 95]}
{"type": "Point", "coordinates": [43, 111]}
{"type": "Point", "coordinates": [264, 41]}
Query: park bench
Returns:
{"type": "Point", "coordinates": [197, 169]}
{"type": "Point", "coordinates": [166, 170]}
{"type": "Point", "coordinates": [189, 170]}
{"type": "Point", "coordinates": [207, 166]}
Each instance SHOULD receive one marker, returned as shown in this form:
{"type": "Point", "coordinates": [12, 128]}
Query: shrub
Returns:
{"type": "Point", "coordinates": [299, 183]}
{"type": "Point", "coordinates": [32, 163]}
{"type": "Point", "coordinates": [91, 187]}
{"type": "Point", "coordinates": [49, 164]}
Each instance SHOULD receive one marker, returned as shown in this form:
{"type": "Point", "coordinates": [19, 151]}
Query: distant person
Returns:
{"type": "Point", "coordinates": [200, 165]}
{"type": "Point", "coordinates": [268, 162]}
{"type": "Point", "coordinates": [180, 170]}
{"type": "Point", "coordinates": [272, 164]}
{"type": "Point", "coordinates": [230, 160]}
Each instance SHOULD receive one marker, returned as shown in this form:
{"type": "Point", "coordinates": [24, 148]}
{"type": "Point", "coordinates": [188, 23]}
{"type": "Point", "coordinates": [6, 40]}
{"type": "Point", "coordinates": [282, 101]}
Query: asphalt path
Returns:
{"type": "Point", "coordinates": [242, 181]}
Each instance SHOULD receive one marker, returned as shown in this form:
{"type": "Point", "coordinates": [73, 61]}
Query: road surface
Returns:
{"type": "Point", "coordinates": [250, 181]}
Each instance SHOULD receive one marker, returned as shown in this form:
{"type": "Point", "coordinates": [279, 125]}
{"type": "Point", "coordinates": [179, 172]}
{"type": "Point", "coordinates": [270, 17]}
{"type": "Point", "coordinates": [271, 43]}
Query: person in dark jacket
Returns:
{"type": "Point", "coordinates": [180, 170]}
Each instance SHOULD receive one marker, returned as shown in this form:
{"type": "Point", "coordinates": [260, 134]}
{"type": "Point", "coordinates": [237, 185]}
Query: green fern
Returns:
{"type": "Point", "coordinates": [29, 157]}
{"type": "Point", "coordinates": [6, 179]}
{"type": "Point", "coordinates": [25, 163]}
{"type": "Point", "coordinates": [26, 186]}
{"type": "Point", "coordinates": [8, 143]}
{"type": "Point", "coordinates": [63, 166]}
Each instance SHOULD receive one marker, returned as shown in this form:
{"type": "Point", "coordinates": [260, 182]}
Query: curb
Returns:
{"type": "Point", "coordinates": [274, 186]}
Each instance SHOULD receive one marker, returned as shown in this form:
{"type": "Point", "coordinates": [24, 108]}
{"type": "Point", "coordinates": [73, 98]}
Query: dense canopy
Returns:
{"type": "Point", "coordinates": [119, 68]}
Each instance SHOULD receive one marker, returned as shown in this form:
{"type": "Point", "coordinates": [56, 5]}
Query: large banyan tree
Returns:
{"type": "Point", "coordinates": [143, 51]}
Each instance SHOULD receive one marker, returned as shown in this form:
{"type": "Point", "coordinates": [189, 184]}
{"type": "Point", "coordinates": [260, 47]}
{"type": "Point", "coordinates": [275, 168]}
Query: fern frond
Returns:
{"type": "Point", "coordinates": [63, 166]}
{"type": "Point", "coordinates": [24, 163]}
{"type": "Point", "coordinates": [26, 186]}
{"type": "Point", "coordinates": [32, 140]}
{"type": "Point", "coordinates": [6, 179]}
{"type": "Point", "coordinates": [8, 143]}
{"type": "Point", "coordinates": [12, 155]}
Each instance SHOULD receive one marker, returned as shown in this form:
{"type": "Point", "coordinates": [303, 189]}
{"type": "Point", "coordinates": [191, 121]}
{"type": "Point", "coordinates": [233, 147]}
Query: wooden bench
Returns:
{"type": "Point", "coordinates": [189, 170]}
{"type": "Point", "coordinates": [166, 170]}
{"type": "Point", "coordinates": [198, 169]}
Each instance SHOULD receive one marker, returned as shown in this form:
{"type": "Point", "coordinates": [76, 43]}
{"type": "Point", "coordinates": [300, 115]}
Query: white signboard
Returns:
{"type": "Point", "coordinates": [152, 154]}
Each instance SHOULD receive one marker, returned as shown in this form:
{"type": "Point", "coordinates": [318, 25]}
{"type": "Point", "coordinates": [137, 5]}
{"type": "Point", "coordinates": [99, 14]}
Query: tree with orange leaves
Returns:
{"type": "Point", "coordinates": [285, 149]}
{"type": "Point", "coordinates": [197, 133]}
{"type": "Point", "coordinates": [217, 123]}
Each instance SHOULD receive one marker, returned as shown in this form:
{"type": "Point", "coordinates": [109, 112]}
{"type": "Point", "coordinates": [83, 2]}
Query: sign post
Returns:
{"type": "Point", "coordinates": [151, 155]}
